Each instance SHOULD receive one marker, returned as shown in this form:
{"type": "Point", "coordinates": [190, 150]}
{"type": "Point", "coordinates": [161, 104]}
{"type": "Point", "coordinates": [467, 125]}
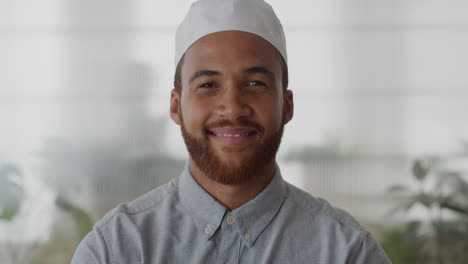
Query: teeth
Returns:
{"type": "Point", "coordinates": [230, 135]}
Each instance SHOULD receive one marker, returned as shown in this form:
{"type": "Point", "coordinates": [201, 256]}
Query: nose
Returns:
{"type": "Point", "coordinates": [233, 104]}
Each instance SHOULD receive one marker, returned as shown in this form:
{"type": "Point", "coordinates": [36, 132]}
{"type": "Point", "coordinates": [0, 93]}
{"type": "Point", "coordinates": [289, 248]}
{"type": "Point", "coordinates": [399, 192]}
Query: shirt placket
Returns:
{"type": "Point", "coordinates": [229, 241]}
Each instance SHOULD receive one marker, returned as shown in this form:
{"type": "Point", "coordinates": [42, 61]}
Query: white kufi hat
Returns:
{"type": "Point", "coordinates": [210, 16]}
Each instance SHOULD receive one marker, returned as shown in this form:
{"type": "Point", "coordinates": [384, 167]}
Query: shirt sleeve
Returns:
{"type": "Point", "coordinates": [369, 251]}
{"type": "Point", "coordinates": [92, 249]}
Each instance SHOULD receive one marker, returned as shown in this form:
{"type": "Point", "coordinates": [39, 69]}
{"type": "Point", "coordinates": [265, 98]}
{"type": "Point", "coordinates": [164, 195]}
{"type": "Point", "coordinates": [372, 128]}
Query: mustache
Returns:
{"type": "Point", "coordinates": [238, 123]}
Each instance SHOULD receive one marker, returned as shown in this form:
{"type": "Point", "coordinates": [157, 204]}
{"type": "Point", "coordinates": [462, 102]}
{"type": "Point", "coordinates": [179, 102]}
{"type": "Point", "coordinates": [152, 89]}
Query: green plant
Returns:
{"type": "Point", "coordinates": [11, 192]}
{"type": "Point", "coordinates": [442, 235]}
{"type": "Point", "coordinates": [83, 222]}
{"type": "Point", "coordinates": [60, 247]}
{"type": "Point", "coordinates": [404, 243]}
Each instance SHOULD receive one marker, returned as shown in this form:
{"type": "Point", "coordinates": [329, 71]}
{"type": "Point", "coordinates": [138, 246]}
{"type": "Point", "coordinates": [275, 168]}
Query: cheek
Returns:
{"type": "Point", "coordinates": [271, 113]}
{"type": "Point", "coordinates": [194, 114]}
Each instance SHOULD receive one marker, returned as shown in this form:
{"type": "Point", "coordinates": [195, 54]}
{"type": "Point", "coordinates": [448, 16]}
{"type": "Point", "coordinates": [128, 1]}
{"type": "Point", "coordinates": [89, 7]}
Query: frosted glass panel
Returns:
{"type": "Point", "coordinates": [84, 97]}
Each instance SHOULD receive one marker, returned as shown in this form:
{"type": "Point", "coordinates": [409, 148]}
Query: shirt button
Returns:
{"type": "Point", "coordinates": [230, 220]}
{"type": "Point", "coordinates": [207, 230]}
{"type": "Point", "coordinates": [247, 236]}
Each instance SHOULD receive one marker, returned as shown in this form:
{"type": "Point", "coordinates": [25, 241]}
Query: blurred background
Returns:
{"type": "Point", "coordinates": [380, 126]}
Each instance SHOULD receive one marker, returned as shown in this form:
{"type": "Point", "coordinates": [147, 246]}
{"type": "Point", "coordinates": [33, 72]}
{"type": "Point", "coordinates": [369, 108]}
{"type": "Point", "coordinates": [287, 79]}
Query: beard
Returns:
{"type": "Point", "coordinates": [206, 159]}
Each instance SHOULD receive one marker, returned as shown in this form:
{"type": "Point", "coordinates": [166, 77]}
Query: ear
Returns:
{"type": "Point", "coordinates": [174, 108]}
{"type": "Point", "coordinates": [288, 106]}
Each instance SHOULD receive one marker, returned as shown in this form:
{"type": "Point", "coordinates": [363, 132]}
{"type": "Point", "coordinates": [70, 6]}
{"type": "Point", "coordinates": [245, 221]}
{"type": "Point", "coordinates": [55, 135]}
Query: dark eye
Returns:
{"type": "Point", "coordinates": [256, 83]}
{"type": "Point", "coordinates": [208, 85]}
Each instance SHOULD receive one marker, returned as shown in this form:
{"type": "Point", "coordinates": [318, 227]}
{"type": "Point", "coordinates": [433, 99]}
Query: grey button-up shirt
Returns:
{"type": "Point", "coordinates": [181, 223]}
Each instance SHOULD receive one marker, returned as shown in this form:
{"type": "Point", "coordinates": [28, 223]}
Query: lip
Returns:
{"type": "Point", "coordinates": [233, 135]}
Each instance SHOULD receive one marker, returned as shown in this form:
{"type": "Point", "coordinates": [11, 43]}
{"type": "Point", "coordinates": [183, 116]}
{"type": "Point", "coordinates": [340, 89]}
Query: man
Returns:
{"type": "Point", "coordinates": [230, 205]}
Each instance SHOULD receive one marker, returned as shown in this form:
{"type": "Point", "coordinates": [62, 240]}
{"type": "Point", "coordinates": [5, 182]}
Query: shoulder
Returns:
{"type": "Point", "coordinates": [320, 211]}
{"type": "Point", "coordinates": [333, 227]}
{"type": "Point", "coordinates": [140, 207]}
{"type": "Point", "coordinates": [118, 235]}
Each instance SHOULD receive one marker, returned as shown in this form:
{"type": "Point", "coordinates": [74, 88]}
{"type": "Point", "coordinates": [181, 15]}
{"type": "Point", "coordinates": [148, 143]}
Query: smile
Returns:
{"type": "Point", "coordinates": [233, 136]}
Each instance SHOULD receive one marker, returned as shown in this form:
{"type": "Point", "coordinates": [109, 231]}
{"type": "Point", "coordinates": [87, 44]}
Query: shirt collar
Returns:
{"type": "Point", "coordinates": [206, 211]}
{"type": "Point", "coordinates": [251, 218]}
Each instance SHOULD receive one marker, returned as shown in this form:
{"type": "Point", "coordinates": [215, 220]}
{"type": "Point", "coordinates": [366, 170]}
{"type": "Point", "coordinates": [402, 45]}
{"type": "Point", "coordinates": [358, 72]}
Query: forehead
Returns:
{"type": "Point", "coordinates": [231, 50]}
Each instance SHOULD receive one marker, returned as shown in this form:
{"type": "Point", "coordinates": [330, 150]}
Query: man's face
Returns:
{"type": "Point", "coordinates": [232, 107]}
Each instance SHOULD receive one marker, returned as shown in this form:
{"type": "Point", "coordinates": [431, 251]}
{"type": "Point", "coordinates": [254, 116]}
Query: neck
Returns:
{"type": "Point", "coordinates": [234, 195]}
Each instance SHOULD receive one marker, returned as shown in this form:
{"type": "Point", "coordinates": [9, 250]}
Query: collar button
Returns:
{"type": "Point", "coordinates": [230, 220]}
{"type": "Point", "coordinates": [207, 229]}
{"type": "Point", "coordinates": [248, 236]}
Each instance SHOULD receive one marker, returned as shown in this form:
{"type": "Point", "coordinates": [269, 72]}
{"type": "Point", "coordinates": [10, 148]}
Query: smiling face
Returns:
{"type": "Point", "coordinates": [231, 105]}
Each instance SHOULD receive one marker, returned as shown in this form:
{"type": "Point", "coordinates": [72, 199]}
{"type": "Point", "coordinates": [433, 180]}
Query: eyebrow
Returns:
{"type": "Point", "coordinates": [203, 73]}
{"type": "Point", "coordinates": [262, 70]}
{"type": "Point", "coordinates": [251, 70]}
